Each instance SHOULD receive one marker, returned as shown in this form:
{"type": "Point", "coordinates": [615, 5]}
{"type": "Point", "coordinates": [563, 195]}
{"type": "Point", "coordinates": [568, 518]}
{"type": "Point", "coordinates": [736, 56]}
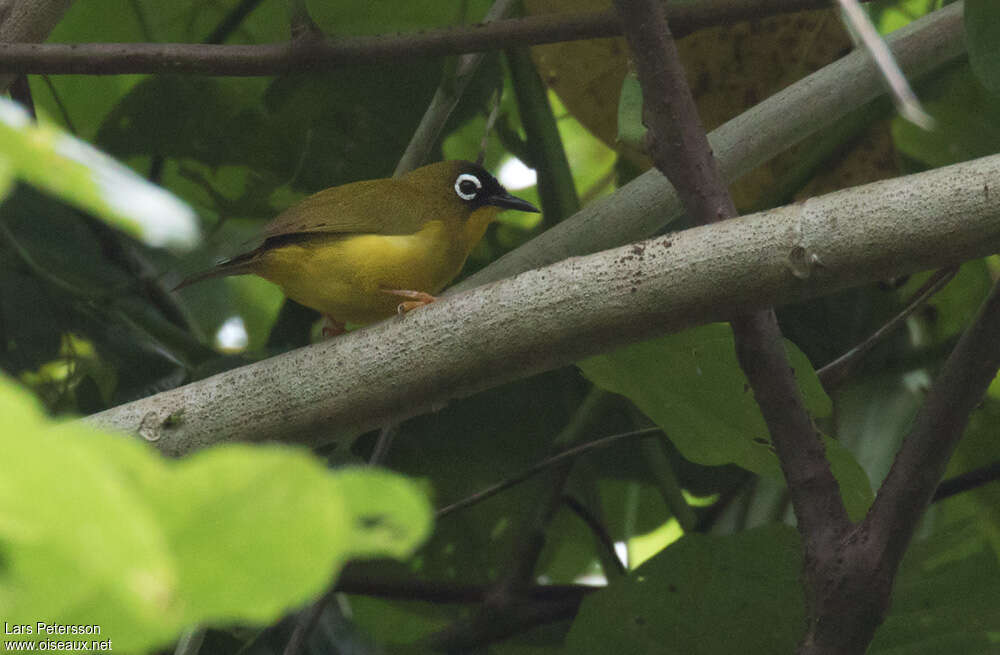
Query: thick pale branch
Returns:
{"type": "Point", "coordinates": [554, 316]}
{"type": "Point", "coordinates": [649, 202]}
{"type": "Point", "coordinates": [277, 59]}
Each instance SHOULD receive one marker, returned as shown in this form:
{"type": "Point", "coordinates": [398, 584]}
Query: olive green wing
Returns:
{"type": "Point", "coordinates": [388, 206]}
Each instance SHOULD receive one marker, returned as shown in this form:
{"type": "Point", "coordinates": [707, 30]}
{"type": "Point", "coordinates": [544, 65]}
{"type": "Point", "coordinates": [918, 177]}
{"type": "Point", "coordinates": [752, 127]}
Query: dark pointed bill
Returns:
{"type": "Point", "coordinates": [507, 201]}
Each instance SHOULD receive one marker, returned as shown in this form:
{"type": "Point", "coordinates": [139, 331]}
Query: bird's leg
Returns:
{"type": "Point", "coordinates": [332, 327]}
{"type": "Point", "coordinates": [415, 299]}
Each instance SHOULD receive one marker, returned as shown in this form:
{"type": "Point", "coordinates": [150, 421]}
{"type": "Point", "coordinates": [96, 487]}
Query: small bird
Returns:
{"type": "Point", "coordinates": [353, 252]}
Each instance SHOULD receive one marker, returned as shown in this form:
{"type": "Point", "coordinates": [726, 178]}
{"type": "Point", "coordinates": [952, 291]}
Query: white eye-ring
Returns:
{"type": "Point", "coordinates": [467, 186]}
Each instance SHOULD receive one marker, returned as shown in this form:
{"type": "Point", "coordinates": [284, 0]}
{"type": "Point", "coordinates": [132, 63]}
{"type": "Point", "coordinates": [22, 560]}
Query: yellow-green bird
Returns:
{"type": "Point", "coordinates": [353, 252]}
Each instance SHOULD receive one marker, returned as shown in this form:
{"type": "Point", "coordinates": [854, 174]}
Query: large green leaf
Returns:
{"type": "Point", "coordinates": [691, 385]}
{"type": "Point", "coordinates": [98, 529]}
{"type": "Point", "coordinates": [702, 595]}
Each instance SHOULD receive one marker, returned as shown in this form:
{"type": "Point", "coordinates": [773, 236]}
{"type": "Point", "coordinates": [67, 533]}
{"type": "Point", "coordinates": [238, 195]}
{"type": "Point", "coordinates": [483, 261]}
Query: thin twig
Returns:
{"type": "Point", "coordinates": [836, 371]}
{"type": "Point", "coordinates": [59, 103]}
{"type": "Point", "coordinates": [493, 490]}
{"type": "Point", "coordinates": [231, 21]}
{"type": "Point", "coordinates": [277, 59]}
{"type": "Point", "coordinates": [357, 580]}
{"type": "Point", "coordinates": [597, 529]}
{"type": "Point", "coordinates": [505, 604]}
{"type": "Point", "coordinates": [530, 538]}
{"type": "Point", "coordinates": [967, 481]}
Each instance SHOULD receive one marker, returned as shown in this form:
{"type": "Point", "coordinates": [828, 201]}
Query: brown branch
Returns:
{"type": "Point", "coordinates": [601, 535]}
{"type": "Point", "coordinates": [681, 151]}
{"type": "Point", "coordinates": [848, 570]}
{"type": "Point", "coordinates": [570, 453]}
{"type": "Point", "coordinates": [860, 571]}
{"type": "Point", "coordinates": [356, 580]}
{"type": "Point", "coordinates": [277, 59]}
{"type": "Point", "coordinates": [814, 491]}
{"type": "Point", "coordinates": [920, 464]}
{"type": "Point", "coordinates": [967, 481]}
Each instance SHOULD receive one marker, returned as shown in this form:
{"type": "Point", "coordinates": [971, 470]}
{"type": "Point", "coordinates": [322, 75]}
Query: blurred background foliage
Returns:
{"type": "Point", "coordinates": [239, 150]}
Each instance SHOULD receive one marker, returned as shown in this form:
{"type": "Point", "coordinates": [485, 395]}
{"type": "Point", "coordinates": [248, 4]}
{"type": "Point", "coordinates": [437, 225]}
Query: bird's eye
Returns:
{"type": "Point", "coordinates": [467, 186]}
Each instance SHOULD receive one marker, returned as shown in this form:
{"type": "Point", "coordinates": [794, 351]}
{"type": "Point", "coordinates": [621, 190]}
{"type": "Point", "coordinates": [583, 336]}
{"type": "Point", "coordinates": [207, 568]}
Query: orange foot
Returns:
{"type": "Point", "coordinates": [332, 327]}
{"type": "Point", "coordinates": [415, 299]}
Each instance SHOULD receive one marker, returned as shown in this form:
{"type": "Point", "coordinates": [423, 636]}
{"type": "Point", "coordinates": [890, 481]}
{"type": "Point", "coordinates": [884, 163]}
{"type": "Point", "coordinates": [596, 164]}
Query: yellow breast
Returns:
{"type": "Point", "coordinates": [344, 276]}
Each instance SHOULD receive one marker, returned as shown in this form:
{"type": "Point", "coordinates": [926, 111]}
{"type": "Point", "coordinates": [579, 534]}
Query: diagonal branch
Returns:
{"type": "Point", "coordinates": [859, 572]}
{"type": "Point", "coordinates": [834, 373]}
{"type": "Point", "coordinates": [920, 464]}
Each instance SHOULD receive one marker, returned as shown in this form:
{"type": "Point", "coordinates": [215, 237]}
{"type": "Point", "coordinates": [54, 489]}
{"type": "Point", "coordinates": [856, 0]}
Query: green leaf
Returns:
{"type": "Point", "coordinates": [80, 174]}
{"type": "Point", "coordinates": [702, 595]}
{"type": "Point", "coordinates": [98, 529]}
{"type": "Point", "coordinates": [982, 36]}
{"type": "Point", "coordinates": [691, 385]}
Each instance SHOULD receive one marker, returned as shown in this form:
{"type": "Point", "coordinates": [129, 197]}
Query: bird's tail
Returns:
{"type": "Point", "coordinates": [239, 265]}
